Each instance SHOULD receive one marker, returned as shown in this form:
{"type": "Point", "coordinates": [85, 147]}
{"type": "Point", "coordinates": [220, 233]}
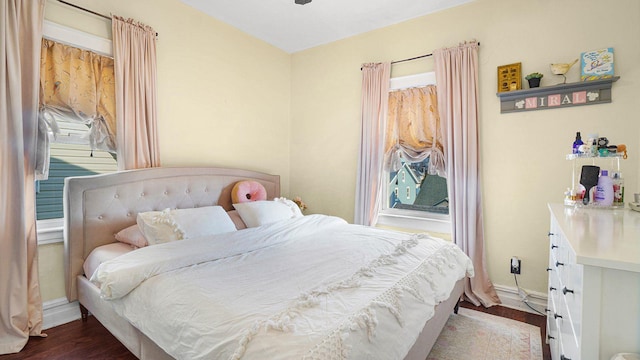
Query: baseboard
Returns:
{"type": "Point", "coordinates": [59, 311]}
{"type": "Point", "coordinates": [511, 299]}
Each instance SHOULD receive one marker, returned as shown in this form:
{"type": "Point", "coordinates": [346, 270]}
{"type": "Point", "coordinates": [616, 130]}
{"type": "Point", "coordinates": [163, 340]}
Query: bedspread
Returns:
{"type": "Point", "coordinates": [313, 287]}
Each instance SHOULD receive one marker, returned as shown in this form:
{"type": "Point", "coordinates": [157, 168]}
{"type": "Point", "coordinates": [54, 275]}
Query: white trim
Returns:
{"type": "Point", "coordinates": [404, 82]}
{"type": "Point", "coordinates": [415, 220]}
{"type": "Point", "coordinates": [511, 298]}
{"type": "Point", "coordinates": [77, 38]}
{"type": "Point", "coordinates": [59, 311]}
{"type": "Point", "coordinates": [50, 231]}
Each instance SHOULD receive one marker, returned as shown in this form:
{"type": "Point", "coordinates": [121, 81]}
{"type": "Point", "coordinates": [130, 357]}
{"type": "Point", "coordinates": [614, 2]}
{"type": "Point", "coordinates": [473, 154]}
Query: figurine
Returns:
{"type": "Point", "coordinates": [562, 69]}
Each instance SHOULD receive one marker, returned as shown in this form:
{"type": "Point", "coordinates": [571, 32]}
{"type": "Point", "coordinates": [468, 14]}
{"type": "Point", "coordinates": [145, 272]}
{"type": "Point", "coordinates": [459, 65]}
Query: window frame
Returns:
{"type": "Point", "coordinates": [50, 230]}
{"type": "Point", "coordinates": [403, 218]}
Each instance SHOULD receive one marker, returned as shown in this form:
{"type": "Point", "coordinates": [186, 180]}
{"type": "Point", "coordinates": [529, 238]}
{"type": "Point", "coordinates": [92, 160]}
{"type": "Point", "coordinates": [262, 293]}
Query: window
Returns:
{"type": "Point", "coordinates": [69, 159]}
{"type": "Point", "coordinates": [70, 151]}
{"type": "Point", "coordinates": [425, 205]}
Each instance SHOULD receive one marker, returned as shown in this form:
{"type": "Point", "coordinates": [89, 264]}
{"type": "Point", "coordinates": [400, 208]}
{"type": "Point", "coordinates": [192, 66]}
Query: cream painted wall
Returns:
{"type": "Point", "coordinates": [51, 270]}
{"type": "Point", "coordinates": [522, 155]}
{"type": "Point", "coordinates": [223, 96]}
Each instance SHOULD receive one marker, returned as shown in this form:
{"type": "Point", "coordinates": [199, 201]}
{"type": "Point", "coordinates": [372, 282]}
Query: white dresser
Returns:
{"type": "Point", "coordinates": [593, 309]}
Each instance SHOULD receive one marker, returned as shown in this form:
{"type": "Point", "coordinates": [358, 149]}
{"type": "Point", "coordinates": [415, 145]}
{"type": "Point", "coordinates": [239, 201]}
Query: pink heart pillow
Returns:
{"type": "Point", "coordinates": [248, 190]}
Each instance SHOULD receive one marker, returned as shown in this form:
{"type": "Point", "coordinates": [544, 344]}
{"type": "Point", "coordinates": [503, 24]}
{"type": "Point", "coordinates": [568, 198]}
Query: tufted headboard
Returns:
{"type": "Point", "coordinates": [97, 207]}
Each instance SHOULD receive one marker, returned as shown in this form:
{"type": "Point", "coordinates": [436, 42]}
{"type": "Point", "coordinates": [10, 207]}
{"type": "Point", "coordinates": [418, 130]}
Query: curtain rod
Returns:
{"type": "Point", "coordinates": [83, 9]}
{"type": "Point", "coordinates": [87, 10]}
{"type": "Point", "coordinates": [409, 59]}
{"type": "Point", "coordinates": [414, 58]}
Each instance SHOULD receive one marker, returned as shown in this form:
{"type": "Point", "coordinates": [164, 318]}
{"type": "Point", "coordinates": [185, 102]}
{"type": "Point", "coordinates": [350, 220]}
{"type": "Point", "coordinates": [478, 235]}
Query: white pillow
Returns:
{"type": "Point", "coordinates": [171, 225]}
{"type": "Point", "coordinates": [256, 213]}
{"type": "Point", "coordinates": [293, 206]}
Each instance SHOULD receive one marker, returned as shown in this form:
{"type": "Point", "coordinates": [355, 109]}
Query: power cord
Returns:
{"type": "Point", "coordinates": [524, 296]}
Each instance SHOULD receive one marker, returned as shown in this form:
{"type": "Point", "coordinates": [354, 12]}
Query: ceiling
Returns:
{"type": "Point", "coordinates": [293, 27]}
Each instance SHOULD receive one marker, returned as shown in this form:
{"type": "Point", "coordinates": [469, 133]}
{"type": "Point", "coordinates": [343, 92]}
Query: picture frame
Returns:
{"type": "Point", "coordinates": [510, 77]}
{"type": "Point", "coordinates": [596, 64]}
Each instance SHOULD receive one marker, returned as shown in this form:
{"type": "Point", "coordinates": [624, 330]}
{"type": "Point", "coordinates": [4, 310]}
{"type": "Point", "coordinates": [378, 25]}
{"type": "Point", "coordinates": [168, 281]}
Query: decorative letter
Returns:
{"type": "Point", "coordinates": [541, 104]}
{"type": "Point", "coordinates": [554, 100]}
{"type": "Point", "coordinates": [531, 103]}
{"type": "Point", "coordinates": [566, 100]}
{"type": "Point", "coordinates": [580, 97]}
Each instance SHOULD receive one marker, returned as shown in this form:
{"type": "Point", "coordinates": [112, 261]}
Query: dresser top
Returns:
{"type": "Point", "coordinates": [601, 237]}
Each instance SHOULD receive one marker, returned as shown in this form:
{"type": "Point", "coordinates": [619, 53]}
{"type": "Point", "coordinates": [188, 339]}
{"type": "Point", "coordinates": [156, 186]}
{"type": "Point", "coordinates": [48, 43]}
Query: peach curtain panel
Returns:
{"type": "Point", "coordinates": [413, 129]}
{"type": "Point", "coordinates": [78, 85]}
{"type": "Point", "coordinates": [20, 303]}
{"type": "Point", "coordinates": [457, 79]}
{"type": "Point", "coordinates": [134, 53]}
{"type": "Point", "coordinates": [374, 104]}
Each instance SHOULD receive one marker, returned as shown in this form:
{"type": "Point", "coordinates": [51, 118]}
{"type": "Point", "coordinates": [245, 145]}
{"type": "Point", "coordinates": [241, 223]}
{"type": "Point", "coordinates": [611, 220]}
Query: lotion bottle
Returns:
{"type": "Point", "coordinates": [603, 196]}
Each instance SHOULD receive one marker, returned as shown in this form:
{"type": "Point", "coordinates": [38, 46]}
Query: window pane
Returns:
{"type": "Point", "coordinates": [424, 192]}
{"type": "Point", "coordinates": [68, 160]}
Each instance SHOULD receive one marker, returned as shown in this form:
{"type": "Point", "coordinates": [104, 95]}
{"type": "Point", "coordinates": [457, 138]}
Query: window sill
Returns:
{"type": "Point", "coordinates": [415, 221]}
{"type": "Point", "coordinates": [50, 231]}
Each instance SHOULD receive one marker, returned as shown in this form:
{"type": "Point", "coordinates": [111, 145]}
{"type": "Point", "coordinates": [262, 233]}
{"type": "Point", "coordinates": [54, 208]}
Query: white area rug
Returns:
{"type": "Point", "coordinates": [479, 336]}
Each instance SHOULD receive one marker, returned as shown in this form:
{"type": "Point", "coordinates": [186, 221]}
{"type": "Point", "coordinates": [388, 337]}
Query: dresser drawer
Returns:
{"type": "Point", "coordinates": [552, 337]}
{"type": "Point", "coordinates": [567, 343]}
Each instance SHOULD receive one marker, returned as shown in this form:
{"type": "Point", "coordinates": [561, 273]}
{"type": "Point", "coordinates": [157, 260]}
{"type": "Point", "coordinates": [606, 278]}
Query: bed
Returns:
{"type": "Point", "coordinates": [345, 315]}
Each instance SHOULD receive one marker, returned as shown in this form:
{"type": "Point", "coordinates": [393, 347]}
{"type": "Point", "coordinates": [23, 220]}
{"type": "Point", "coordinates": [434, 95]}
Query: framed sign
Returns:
{"type": "Point", "coordinates": [510, 77]}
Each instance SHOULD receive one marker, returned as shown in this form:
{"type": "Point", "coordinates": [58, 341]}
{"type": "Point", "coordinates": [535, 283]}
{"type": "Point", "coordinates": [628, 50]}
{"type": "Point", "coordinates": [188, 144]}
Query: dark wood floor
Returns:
{"type": "Point", "coordinates": [90, 340]}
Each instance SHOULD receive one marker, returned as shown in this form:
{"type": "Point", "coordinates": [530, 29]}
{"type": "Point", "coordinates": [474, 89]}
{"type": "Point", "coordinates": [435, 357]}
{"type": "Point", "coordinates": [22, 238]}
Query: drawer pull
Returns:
{"type": "Point", "coordinates": [550, 233]}
{"type": "Point", "coordinates": [565, 290]}
{"type": "Point", "coordinates": [562, 357]}
{"type": "Point", "coordinates": [554, 246]}
{"type": "Point", "coordinates": [558, 263]}
{"type": "Point", "coordinates": [555, 316]}
{"type": "Point", "coordinates": [549, 269]}
{"type": "Point", "coordinates": [549, 337]}
{"type": "Point", "coordinates": [547, 310]}
{"type": "Point", "coordinates": [551, 288]}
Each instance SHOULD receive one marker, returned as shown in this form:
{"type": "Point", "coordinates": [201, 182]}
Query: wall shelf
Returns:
{"type": "Point", "coordinates": [557, 96]}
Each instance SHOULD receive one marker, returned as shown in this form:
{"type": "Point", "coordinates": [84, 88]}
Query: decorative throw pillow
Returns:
{"type": "Point", "coordinates": [258, 213]}
{"type": "Point", "coordinates": [133, 236]}
{"type": "Point", "coordinates": [171, 225]}
{"type": "Point", "coordinates": [248, 190]}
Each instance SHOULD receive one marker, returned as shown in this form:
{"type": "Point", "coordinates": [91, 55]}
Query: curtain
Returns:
{"type": "Point", "coordinates": [134, 53]}
{"type": "Point", "coordinates": [413, 129]}
{"type": "Point", "coordinates": [21, 305]}
{"type": "Point", "coordinates": [374, 103]}
{"type": "Point", "coordinates": [457, 79]}
{"type": "Point", "coordinates": [76, 85]}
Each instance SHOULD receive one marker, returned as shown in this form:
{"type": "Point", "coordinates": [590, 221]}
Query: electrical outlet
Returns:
{"type": "Point", "coordinates": [515, 265]}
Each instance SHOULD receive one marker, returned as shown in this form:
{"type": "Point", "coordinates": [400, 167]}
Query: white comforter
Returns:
{"type": "Point", "coordinates": [313, 287]}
